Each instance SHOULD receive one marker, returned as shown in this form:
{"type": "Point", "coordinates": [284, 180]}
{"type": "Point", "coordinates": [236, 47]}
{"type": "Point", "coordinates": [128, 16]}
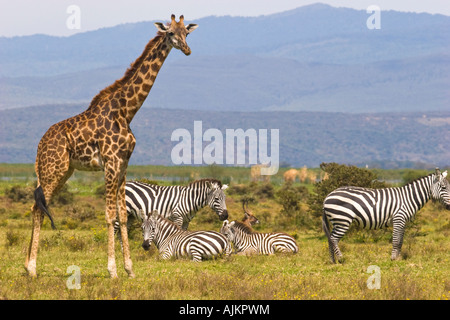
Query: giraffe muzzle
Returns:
{"type": "Point", "coordinates": [186, 50]}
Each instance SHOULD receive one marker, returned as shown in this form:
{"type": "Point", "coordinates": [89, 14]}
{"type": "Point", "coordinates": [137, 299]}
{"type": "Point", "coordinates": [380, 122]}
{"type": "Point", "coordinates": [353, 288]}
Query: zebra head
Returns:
{"type": "Point", "coordinates": [149, 229]}
{"type": "Point", "coordinates": [440, 189]}
{"type": "Point", "coordinates": [216, 199]}
{"type": "Point", "coordinates": [227, 230]}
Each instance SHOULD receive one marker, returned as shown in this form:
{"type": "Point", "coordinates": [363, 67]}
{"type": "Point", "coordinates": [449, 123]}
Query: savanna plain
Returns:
{"type": "Point", "coordinates": [80, 240]}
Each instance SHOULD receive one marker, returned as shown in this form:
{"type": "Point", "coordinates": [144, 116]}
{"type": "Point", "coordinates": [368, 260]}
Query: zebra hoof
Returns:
{"type": "Point", "coordinates": [395, 257]}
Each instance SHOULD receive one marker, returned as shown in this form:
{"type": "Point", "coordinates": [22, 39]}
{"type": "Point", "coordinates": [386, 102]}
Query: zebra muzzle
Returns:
{"type": "Point", "coordinates": [224, 215]}
{"type": "Point", "coordinates": [146, 245]}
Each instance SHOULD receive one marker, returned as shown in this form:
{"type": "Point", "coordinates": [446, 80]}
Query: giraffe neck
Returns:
{"type": "Point", "coordinates": [127, 94]}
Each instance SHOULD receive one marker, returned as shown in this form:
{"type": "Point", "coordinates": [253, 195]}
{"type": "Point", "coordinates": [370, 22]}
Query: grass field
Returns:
{"type": "Point", "coordinates": [422, 273]}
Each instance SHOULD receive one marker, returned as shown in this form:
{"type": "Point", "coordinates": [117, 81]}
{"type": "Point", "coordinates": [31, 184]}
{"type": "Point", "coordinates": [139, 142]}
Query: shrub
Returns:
{"type": "Point", "coordinates": [290, 198]}
{"type": "Point", "coordinates": [18, 193]}
{"type": "Point", "coordinates": [75, 243]}
{"type": "Point", "coordinates": [12, 238]}
{"type": "Point", "coordinates": [265, 190]}
{"type": "Point", "coordinates": [63, 197]}
{"type": "Point", "coordinates": [80, 212]}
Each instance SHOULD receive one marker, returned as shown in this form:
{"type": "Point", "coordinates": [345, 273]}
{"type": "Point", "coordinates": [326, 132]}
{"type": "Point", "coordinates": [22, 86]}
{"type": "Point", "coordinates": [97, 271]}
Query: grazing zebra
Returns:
{"type": "Point", "coordinates": [176, 203]}
{"type": "Point", "coordinates": [248, 242]}
{"type": "Point", "coordinates": [379, 208]}
{"type": "Point", "coordinates": [172, 241]}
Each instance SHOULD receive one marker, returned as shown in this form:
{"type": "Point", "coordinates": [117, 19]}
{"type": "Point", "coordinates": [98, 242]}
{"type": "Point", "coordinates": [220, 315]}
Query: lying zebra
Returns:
{"type": "Point", "coordinates": [172, 241]}
{"type": "Point", "coordinates": [248, 242]}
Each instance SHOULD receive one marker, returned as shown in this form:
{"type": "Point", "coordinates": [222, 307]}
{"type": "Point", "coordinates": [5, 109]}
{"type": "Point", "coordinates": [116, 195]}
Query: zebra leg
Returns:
{"type": "Point", "coordinates": [196, 255]}
{"type": "Point", "coordinates": [397, 237]}
{"type": "Point", "coordinates": [336, 235]}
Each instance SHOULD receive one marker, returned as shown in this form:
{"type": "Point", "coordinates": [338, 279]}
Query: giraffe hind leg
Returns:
{"type": "Point", "coordinates": [49, 184]}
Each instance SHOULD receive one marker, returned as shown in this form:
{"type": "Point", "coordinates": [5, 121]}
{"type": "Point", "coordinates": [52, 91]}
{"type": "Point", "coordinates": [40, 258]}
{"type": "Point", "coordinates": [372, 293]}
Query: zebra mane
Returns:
{"type": "Point", "coordinates": [202, 181]}
{"type": "Point", "coordinates": [243, 227]}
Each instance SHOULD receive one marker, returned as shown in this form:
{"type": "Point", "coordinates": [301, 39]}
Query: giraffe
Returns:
{"type": "Point", "coordinates": [100, 138]}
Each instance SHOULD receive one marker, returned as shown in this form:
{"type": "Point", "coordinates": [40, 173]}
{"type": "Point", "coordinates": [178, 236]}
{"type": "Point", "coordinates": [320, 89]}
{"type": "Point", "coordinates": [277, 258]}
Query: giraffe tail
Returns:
{"type": "Point", "coordinates": [42, 204]}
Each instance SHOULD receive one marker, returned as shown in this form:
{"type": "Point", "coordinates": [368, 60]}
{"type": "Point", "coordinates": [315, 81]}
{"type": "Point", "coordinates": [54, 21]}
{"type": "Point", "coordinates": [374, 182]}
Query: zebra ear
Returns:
{"type": "Point", "coordinates": [444, 174]}
{"type": "Point", "coordinates": [225, 187]}
{"type": "Point", "coordinates": [438, 172]}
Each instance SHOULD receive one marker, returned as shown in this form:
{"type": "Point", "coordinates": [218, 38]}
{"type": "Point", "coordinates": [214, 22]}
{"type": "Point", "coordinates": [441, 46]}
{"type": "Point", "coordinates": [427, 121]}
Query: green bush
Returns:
{"type": "Point", "coordinates": [290, 197]}
{"type": "Point", "coordinates": [18, 193]}
{"type": "Point", "coordinates": [63, 197]}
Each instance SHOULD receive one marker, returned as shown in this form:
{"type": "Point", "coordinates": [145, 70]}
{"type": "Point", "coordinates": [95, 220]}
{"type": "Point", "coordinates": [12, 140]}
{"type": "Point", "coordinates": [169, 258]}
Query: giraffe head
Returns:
{"type": "Point", "coordinates": [177, 33]}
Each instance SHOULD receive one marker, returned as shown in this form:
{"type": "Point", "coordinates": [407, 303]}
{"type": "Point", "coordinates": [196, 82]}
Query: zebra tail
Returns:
{"type": "Point", "coordinates": [39, 197]}
{"type": "Point", "coordinates": [325, 226]}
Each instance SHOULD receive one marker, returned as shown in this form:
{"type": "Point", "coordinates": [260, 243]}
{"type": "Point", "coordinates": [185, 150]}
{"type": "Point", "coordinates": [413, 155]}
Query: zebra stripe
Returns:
{"type": "Point", "coordinates": [380, 208]}
{"type": "Point", "coordinates": [172, 241]}
{"type": "Point", "coordinates": [248, 242]}
{"type": "Point", "coordinates": [177, 203]}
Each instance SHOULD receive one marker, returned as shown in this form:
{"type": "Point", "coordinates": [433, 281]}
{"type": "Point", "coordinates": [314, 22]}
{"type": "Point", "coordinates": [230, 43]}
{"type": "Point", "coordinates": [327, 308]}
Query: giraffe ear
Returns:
{"type": "Point", "coordinates": [161, 27]}
{"type": "Point", "coordinates": [191, 27]}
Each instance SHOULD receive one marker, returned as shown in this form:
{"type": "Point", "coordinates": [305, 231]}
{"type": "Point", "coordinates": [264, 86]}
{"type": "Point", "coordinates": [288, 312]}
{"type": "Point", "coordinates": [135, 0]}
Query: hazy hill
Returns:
{"type": "Point", "coordinates": [314, 58]}
{"type": "Point", "coordinates": [306, 138]}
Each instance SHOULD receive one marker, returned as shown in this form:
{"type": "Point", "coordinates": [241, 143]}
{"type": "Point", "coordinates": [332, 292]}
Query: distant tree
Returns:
{"type": "Point", "coordinates": [339, 175]}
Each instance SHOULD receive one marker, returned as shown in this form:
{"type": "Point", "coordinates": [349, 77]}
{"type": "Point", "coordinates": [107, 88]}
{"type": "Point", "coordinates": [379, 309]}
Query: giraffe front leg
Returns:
{"type": "Point", "coordinates": [112, 184]}
{"type": "Point", "coordinates": [123, 217]}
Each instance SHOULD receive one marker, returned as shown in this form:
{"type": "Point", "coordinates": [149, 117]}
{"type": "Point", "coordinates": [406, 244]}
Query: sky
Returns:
{"type": "Point", "coordinates": [59, 18]}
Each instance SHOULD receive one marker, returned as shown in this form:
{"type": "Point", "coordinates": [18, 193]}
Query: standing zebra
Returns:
{"type": "Point", "coordinates": [172, 241]}
{"type": "Point", "coordinates": [379, 208]}
{"type": "Point", "coordinates": [176, 203]}
{"type": "Point", "coordinates": [248, 242]}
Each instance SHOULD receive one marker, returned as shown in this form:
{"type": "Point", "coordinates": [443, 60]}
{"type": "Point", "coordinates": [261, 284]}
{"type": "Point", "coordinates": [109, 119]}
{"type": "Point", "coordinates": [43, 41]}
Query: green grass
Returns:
{"type": "Point", "coordinates": [422, 273]}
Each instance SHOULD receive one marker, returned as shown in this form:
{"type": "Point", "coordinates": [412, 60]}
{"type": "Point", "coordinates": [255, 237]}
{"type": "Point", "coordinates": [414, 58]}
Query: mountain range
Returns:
{"type": "Point", "coordinates": [313, 58]}
{"type": "Point", "coordinates": [388, 140]}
